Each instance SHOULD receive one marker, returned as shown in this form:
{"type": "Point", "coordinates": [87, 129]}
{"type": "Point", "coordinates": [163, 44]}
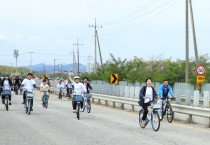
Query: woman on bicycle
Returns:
{"type": "Point", "coordinates": [6, 84]}
{"type": "Point", "coordinates": [146, 96]}
{"type": "Point", "coordinates": [44, 87]}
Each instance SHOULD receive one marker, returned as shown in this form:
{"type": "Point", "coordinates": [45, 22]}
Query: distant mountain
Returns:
{"type": "Point", "coordinates": [50, 68]}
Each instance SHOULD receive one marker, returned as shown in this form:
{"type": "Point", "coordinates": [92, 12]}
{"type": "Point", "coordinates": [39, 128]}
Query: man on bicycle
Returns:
{"type": "Point", "coordinates": [60, 86]}
{"type": "Point", "coordinates": [28, 84]}
{"type": "Point", "coordinates": [165, 88]}
{"type": "Point", "coordinates": [17, 81]}
{"type": "Point", "coordinates": [69, 88]}
{"type": "Point", "coordinates": [6, 84]}
{"type": "Point", "coordinates": [79, 88]}
{"type": "Point", "coordinates": [44, 87]}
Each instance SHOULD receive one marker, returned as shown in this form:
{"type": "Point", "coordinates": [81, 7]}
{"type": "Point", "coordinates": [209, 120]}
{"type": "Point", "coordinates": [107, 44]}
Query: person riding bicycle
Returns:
{"type": "Point", "coordinates": [44, 87]}
{"type": "Point", "coordinates": [28, 84]}
{"type": "Point", "coordinates": [17, 81]}
{"type": "Point", "coordinates": [87, 84]}
{"type": "Point", "coordinates": [146, 97]}
{"type": "Point", "coordinates": [6, 84]}
{"type": "Point", "coordinates": [69, 88]}
{"type": "Point", "coordinates": [165, 88]}
{"type": "Point", "coordinates": [79, 88]}
{"type": "Point", "coordinates": [60, 86]}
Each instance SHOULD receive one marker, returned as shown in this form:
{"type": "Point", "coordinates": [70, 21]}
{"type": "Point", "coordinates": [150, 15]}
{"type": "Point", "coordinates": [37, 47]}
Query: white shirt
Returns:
{"type": "Point", "coordinates": [60, 86]}
{"type": "Point", "coordinates": [28, 84]}
{"type": "Point", "coordinates": [79, 88]}
{"type": "Point", "coordinates": [44, 87]}
{"type": "Point", "coordinates": [6, 85]}
{"type": "Point", "coordinates": [69, 85]}
{"type": "Point", "coordinates": [148, 94]}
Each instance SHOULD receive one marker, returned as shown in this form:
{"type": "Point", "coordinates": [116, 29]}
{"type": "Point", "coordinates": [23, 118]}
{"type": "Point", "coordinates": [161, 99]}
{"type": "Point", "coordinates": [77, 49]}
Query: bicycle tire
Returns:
{"type": "Point", "coordinates": [156, 120]}
{"type": "Point", "coordinates": [141, 112]}
{"type": "Point", "coordinates": [26, 106]}
{"type": "Point", "coordinates": [78, 111]}
{"type": "Point", "coordinates": [6, 103]}
{"type": "Point", "coordinates": [89, 106]}
{"type": "Point", "coordinates": [29, 107]}
{"type": "Point", "coordinates": [170, 114]}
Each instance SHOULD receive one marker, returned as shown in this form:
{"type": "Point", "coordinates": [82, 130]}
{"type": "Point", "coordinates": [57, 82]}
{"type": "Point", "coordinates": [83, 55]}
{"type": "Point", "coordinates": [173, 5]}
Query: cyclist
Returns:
{"type": "Point", "coordinates": [79, 88]}
{"type": "Point", "coordinates": [146, 97]}
{"type": "Point", "coordinates": [44, 87]}
{"type": "Point", "coordinates": [28, 84]}
{"type": "Point", "coordinates": [87, 84]}
{"type": "Point", "coordinates": [60, 86]}
{"type": "Point", "coordinates": [165, 88]}
{"type": "Point", "coordinates": [69, 88]}
{"type": "Point", "coordinates": [6, 84]}
{"type": "Point", "coordinates": [17, 81]}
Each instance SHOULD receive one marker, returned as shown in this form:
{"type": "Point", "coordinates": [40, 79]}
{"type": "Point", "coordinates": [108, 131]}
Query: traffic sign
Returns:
{"type": "Point", "coordinates": [200, 69]}
{"type": "Point", "coordinates": [114, 79]}
{"type": "Point", "coordinates": [200, 79]}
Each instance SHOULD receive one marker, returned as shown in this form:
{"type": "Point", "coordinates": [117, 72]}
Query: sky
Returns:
{"type": "Point", "coordinates": [142, 28]}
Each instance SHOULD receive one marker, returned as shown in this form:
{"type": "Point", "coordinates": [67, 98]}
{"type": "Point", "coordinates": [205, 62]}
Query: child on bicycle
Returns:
{"type": "Point", "coordinates": [6, 84]}
{"type": "Point", "coordinates": [146, 97]}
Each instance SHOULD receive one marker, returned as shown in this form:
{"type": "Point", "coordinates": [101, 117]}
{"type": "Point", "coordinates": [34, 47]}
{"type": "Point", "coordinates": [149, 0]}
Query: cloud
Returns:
{"type": "Point", "coordinates": [4, 37]}
{"type": "Point", "coordinates": [33, 38]}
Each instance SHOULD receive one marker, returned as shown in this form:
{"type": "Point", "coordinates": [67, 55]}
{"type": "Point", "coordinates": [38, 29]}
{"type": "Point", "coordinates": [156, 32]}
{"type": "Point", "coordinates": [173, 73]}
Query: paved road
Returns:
{"type": "Point", "coordinates": [57, 125]}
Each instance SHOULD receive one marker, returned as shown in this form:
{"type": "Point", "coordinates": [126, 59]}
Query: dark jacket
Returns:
{"type": "Point", "coordinates": [10, 82]}
{"type": "Point", "coordinates": [142, 94]}
{"type": "Point", "coordinates": [88, 87]}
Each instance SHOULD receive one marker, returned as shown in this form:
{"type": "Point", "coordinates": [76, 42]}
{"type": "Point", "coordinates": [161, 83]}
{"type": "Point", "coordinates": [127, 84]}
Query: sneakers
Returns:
{"type": "Point", "coordinates": [74, 111]}
{"type": "Point", "coordinates": [81, 110]}
{"type": "Point", "coordinates": [147, 121]}
{"type": "Point", "coordinates": [10, 103]}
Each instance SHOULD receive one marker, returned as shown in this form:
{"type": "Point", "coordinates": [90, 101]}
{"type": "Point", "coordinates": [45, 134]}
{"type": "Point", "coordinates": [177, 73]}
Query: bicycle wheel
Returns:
{"type": "Point", "coordinates": [16, 90]}
{"type": "Point", "coordinates": [170, 114]}
{"type": "Point", "coordinates": [155, 121]}
{"type": "Point", "coordinates": [29, 106]}
{"type": "Point", "coordinates": [26, 106]}
{"type": "Point", "coordinates": [88, 106]}
{"type": "Point", "coordinates": [78, 111]}
{"type": "Point", "coordinates": [141, 112]}
{"type": "Point", "coordinates": [46, 102]}
{"type": "Point", "coordinates": [6, 103]}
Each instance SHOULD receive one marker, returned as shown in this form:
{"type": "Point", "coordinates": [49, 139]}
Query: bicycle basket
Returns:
{"type": "Point", "coordinates": [89, 96]}
{"type": "Point", "coordinates": [30, 95]}
{"type": "Point", "coordinates": [156, 106]}
{"type": "Point", "coordinates": [6, 92]}
{"type": "Point", "coordinates": [78, 98]}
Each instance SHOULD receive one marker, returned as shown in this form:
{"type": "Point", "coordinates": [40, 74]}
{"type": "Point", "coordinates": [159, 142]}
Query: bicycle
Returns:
{"type": "Point", "coordinates": [78, 99]}
{"type": "Point", "coordinates": [60, 93]}
{"type": "Point", "coordinates": [167, 109]}
{"type": "Point", "coordinates": [155, 119]}
{"type": "Point", "coordinates": [6, 93]}
{"type": "Point", "coordinates": [46, 98]}
{"type": "Point", "coordinates": [87, 102]}
{"type": "Point", "coordinates": [69, 95]}
{"type": "Point", "coordinates": [29, 97]}
{"type": "Point", "coordinates": [16, 89]}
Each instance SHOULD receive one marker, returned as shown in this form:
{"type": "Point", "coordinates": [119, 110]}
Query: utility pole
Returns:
{"type": "Point", "coordinates": [194, 34]}
{"type": "Point", "coordinates": [31, 61]}
{"type": "Point", "coordinates": [54, 66]}
{"type": "Point", "coordinates": [95, 26]}
{"type": "Point", "coordinates": [187, 46]}
{"type": "Point", "coordinates": [99, 48]}
{"type": "Point", "coordinates": [16, 54]}
{"type": "Point", "coordinates": [77, 44]}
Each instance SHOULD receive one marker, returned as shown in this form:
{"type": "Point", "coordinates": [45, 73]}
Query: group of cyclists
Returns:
{"type": "Point", "coordinates": [148, 95]}
{"type": "Point", "coordinates": [76, 86]}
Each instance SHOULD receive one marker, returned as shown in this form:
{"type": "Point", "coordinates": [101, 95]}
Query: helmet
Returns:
{"type": "Point", "coordinates": [76, 77]}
